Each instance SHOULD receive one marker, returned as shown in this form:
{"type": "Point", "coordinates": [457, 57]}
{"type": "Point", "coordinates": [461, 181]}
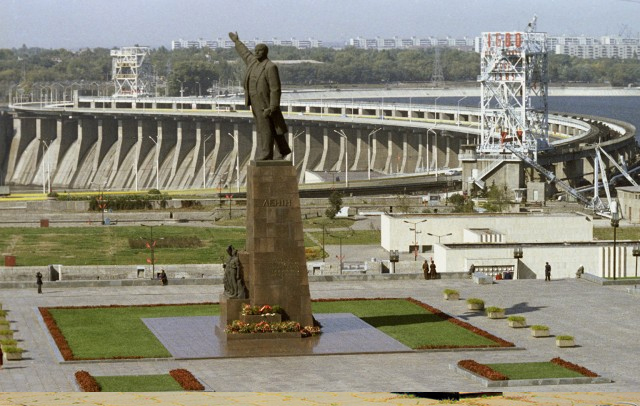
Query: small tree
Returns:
{"type": "Point", "coordinates": [498, 198]}
{"type": "Point", "coordinates": [461, 203]}
{"type": "Point", "coordinates": [335, 204]}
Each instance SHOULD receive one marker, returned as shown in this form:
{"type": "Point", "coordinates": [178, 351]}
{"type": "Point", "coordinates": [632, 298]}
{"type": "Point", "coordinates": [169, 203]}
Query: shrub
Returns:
{"type": "Point", "coordinates": [9, 342]}
{"type": "Point", "coordinates": [13, 350]}
{"type": "Point", "coordinates": [4, 323]}
{"type": "Point", "coordinates": [564, 337]}
{"type": "Point", "coordinates": [450, 292]}
{"type": "Point", "coordinates": [154, 192]}
{"type": "Point", "coordinates": [516, 318]}
{"type": "Point", "coordinates": [6, 332]}
{"type": "Point", "coordinates": [539, 327]}
{"type": "Point", "coordinates": [191, 204]}
{"type": "Point", "coordinates": [474, 300]}
{"type": "Point", "coordinates": [494, 309]}
{"type": "Point", "coordinates": [3, 313]}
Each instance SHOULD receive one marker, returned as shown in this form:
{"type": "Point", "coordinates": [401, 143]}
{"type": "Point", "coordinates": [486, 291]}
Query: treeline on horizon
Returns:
{"type": "Point", "coordinates": [200, 69]}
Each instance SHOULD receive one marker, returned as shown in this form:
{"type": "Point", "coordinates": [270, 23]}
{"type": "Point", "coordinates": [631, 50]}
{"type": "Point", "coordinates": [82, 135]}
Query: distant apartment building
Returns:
{"type": "Point", "coordinates": [593, 48]}
{"type": "Point", "coordinates": [227, 43]}
{"type": "Point", "coordinates": [590, 47]}
{"type": "Point", "coordinates": [378, 43]}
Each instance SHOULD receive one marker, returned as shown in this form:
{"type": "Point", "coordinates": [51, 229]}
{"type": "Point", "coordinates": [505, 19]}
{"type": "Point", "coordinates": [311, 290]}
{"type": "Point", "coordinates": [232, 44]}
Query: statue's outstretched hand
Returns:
{"type": "Point", "coordinates": [233, 36]}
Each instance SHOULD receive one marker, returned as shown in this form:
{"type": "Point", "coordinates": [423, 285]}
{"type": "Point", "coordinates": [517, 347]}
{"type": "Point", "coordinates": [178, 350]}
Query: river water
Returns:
{"type": "Point", "coordinates": [624, 108]}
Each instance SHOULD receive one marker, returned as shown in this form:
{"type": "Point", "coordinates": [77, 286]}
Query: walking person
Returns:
{"type": "Point", "coordinates": [547, 272]}
{"type": "Point", "coordinates": [39, 281]}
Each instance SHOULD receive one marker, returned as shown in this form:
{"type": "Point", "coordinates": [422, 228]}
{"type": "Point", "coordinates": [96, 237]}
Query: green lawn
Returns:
{"type": "Point", "coordinates": [138, 383]}
{"type": "Point", "coordinates": [109, 245]}
{"type": "Point", "coordinates": [534, 370]}
{"type": "Point", "coordinates": [406, 322]}
{"type": "Point", "coordinates": [108, 332]}
{"type": "Point", "coordinates": [622, 233]}
{"type": "Point", "coordinates": [102, 245]}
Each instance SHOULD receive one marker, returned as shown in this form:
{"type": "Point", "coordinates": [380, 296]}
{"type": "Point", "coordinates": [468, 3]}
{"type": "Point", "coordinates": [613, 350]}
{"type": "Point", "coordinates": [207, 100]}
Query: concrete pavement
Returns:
{"type": "Point", "coordinates": [603, 319]}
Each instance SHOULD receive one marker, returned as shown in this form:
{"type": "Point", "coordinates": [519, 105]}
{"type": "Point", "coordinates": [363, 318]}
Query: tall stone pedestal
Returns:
{"type": "Point", "coordinates": [274, 262]}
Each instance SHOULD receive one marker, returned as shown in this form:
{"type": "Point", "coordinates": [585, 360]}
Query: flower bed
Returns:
{"type": "Point", "coordinates": [487, 372]}
{"type": "Point", "coordinates": [87, 382]}
{"type": "Point", "coordinates": [574, 367]}
{"type": "Point", "coordinates": [186, 379]}
{"type": "Point", "coordinates": [481, 370]}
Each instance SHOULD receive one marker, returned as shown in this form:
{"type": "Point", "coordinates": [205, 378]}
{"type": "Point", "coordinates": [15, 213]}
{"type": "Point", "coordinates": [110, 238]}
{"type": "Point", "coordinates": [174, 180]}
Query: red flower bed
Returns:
{"type": "Point", "coordinates": [87, 382]}
{"type": "Point", "coordinates": [186, 379]}
{"type": "Point", "coordinates": [482, 370]}
{"type": "Point", "coordinates": [57, 336]}
{"type": "Point", "coordinates": [574, 367]}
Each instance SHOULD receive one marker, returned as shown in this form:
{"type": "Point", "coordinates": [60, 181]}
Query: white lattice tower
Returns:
{"type": "Point", "coordinates": [514, 84]}
{"type": "Point", "coordinates": [131, 71]}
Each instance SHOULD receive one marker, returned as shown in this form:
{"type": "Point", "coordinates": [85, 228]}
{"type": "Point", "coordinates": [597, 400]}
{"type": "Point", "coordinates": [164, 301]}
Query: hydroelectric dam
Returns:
{"type": "Point", "coordinates": [169, 143]}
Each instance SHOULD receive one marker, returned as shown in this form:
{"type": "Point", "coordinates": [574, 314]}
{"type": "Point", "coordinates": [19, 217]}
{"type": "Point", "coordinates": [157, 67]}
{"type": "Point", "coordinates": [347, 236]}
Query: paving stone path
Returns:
{"type": "Point", "coordinates": [604, 321]}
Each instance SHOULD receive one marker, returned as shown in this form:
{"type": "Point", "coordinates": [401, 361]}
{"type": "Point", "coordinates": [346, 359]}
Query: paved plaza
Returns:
{"type": "Point", "coordinates": [604, 321]}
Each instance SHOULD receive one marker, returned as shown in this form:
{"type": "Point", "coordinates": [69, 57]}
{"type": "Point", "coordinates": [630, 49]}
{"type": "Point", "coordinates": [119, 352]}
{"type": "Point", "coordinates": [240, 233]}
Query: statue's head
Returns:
{"type": "Point", "coordinates": [261, 52]}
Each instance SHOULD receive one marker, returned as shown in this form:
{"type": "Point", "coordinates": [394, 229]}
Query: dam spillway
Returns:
{"type": "Point", "coordinates": [185, 143]}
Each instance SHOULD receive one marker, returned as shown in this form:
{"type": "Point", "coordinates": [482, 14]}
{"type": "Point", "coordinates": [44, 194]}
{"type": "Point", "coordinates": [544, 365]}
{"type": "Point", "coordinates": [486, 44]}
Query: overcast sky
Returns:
{"type": "Point", "coordinates": [114, 23]}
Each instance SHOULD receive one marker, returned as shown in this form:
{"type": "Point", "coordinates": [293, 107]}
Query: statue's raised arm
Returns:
{"type": "Point", "coordinates": [262, 91]}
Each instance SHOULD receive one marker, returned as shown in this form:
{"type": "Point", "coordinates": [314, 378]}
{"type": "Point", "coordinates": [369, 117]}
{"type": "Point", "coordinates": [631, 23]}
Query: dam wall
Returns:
{"type": "Point", "coordinates": [181, 143]}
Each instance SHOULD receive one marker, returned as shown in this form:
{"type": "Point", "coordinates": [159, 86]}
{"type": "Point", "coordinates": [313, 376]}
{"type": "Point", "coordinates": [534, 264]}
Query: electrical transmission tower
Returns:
{"type": "Point", "coordinates": [437, 78]}
{"type": "Point", "coordinates": [514, 86]}
{"type": "Point", "coordinates": [131, 71]}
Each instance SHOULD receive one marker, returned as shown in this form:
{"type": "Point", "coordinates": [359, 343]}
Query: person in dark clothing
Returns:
{"type": "Point", "coordinates": [425, 269]}
{"type": "Point", "coordinates": [163, 278]}
{"type": "Point", "coordinates": [547, 272]}
{"type": "Point", "coordinates": [432, 270]}
{"type": "Point", "coordinates": [39, 281]}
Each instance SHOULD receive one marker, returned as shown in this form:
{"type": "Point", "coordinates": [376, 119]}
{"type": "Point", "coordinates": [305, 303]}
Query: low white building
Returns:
{"type": "Point", "coordinates": [520, 243]}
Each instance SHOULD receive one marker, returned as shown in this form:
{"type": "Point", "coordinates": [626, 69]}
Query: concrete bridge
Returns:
{"type": "Point", "coordinates": [185, 143]}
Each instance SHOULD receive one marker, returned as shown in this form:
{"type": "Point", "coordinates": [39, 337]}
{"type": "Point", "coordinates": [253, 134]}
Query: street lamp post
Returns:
{"type": "Point", "coordinates": [199, 89]}
{"type": "Point", "coordinates": [458, 114]}
{"type": "Point", "coordinates": [415, 236]}
{"type": "Point", "coordinates": [440, 236]}
{"type": "Point", "coordinates": [237, 148]}
{"type": "Point", "coordinates": [346, 160]}
{"type": "Point", "coordinates": [435, 140]}
{"type": "Point", "coordinates": [369, 151]}
{"type": "Point", "coordinates": [615, 222]}
{"type": "Point", "coordinates": [340, 237]}
{"type": "Point", "coordinates": [293, 147]}
{"type": "Point", "coordinates": [152, 246]}
{"type": "Point", "coordinates": [204, 162]}
{"type": "Point", "coordinates": [435, 110]}
{"type": "Point", "coordinates": [324, 230]}
{"type": "Point", "coordinates": [157, 164]}
{"type": "Point", "coordinates": [181, 88]}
